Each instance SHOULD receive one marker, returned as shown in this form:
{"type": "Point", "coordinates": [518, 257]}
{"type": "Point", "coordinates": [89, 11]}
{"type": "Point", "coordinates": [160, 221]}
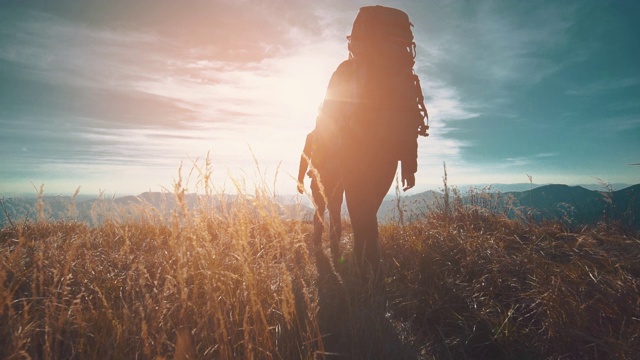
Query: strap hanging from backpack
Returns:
{"type": "Point", "coordinates": [424, 126]}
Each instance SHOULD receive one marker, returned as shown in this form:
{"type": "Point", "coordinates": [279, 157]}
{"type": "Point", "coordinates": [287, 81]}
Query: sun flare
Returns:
{"type": "Point", "coordinates": [297, 88]}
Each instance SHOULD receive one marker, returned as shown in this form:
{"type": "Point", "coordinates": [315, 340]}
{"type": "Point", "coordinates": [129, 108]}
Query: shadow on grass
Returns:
{"type": "Point", "coordinates": [353, 318]}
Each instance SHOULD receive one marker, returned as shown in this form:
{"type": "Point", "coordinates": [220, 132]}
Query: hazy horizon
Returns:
{"type": "Point", "coordinates": [114, 96]}
{"type": "Point", "coordinates": [463, 188]}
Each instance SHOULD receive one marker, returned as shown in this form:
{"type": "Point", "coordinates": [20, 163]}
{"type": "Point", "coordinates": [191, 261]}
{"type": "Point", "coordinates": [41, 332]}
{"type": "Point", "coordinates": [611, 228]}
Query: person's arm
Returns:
{"type": "Point", "coordinates": [304, 164]}
{"type": "Point", "coordinates": [409, 166]}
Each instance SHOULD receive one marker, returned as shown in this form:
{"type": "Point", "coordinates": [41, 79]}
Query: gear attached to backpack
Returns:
{"type": "Point", "coordinates": [382, 39]}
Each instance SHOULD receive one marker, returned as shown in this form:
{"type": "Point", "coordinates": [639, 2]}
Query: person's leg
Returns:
{"type": "Point", "coordinates": [318, 217]}
{"type": "Point", "coordinates": [335, 226]}
{"type": "Point", "coordinates": [367, 179]}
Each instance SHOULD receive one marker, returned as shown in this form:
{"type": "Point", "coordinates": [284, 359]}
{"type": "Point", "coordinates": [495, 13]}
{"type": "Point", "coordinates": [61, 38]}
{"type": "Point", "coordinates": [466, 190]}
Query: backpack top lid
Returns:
{"type": "Point", "coordinates": [381, 22]}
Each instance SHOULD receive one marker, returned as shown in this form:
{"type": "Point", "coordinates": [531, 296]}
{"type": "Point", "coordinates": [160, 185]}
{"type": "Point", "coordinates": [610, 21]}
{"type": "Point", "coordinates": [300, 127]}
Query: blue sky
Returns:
{"type": "Point", "coordinates": [114, 95]}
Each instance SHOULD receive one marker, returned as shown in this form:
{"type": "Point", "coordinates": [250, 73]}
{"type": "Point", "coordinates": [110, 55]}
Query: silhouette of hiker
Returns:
{"type": "Point", "coordinates": [372, 113]}
{"type": "Point", "coordinates": [326, 188]}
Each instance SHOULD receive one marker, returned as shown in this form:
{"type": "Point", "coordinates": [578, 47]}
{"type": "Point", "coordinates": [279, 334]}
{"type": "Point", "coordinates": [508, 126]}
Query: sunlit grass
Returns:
{"type": "Point", "coordinates": [237, 281]}
{"type": "Point", "coordinates": [488, 287]}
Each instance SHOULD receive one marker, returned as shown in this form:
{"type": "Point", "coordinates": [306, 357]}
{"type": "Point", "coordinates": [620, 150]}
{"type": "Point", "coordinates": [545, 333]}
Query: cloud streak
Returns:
{"type": "Point", "coordinates": [602, 86]}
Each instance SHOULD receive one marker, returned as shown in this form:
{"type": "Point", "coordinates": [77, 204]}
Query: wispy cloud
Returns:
{"type": "Point", "coordinates": [602, 86]}
{"type": "Point", "coordinates": [275, 88]}
{"type": "Point", "coordinates": [447, 105]}
{"type": "Point", "coordinates": [55, 50]}
{"type": "Point", "coordinates": [525, 160]}
{"type": "Point", "coordinates": [616, 125]}
{"type": "Point", "coordinates": [504, 50]}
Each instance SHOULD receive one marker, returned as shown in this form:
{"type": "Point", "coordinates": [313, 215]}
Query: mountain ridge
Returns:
{"type": "Point", "coordinates": [573, 204]}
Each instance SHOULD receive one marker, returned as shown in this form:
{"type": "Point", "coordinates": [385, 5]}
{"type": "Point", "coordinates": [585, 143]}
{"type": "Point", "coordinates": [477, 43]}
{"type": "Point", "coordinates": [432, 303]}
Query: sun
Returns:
{"type": "Point", "coordinates": [299, 85]}
{"type": "Point", "coordinates": [302, 90]}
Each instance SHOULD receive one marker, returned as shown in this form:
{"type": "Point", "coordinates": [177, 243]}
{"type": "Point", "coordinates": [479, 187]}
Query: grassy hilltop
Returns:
{"type": "Point", "coordinates": [238, 281]}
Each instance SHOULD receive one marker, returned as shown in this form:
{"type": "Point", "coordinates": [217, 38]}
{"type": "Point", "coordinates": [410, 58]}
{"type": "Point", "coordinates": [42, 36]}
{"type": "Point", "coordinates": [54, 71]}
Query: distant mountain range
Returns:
{"type": "Point", "coordinates": [129, 208]}
{"type": "Point", "coordinates": [579, 206]}
{"type": "Point", "coordinates": [574, 205]}
{"type": "Point", "coordinates": [529, 186]}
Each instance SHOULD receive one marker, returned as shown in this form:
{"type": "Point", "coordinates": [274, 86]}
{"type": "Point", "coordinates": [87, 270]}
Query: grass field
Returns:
{"type": "Point", "coordinates": [240, 283]}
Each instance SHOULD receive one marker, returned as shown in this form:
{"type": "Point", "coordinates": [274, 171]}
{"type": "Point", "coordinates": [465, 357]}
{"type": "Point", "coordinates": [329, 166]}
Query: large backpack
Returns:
{"type": "Point", "coordinates": [382, 50]}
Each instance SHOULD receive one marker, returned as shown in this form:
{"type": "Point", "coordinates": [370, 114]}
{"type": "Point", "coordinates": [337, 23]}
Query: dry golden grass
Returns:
{"type": "Point", "coordinates": [210, 287]}
{"type": "Point", "coordinates": [239, 283]}
{"type": "Point", "coordinates": [477, 285]}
